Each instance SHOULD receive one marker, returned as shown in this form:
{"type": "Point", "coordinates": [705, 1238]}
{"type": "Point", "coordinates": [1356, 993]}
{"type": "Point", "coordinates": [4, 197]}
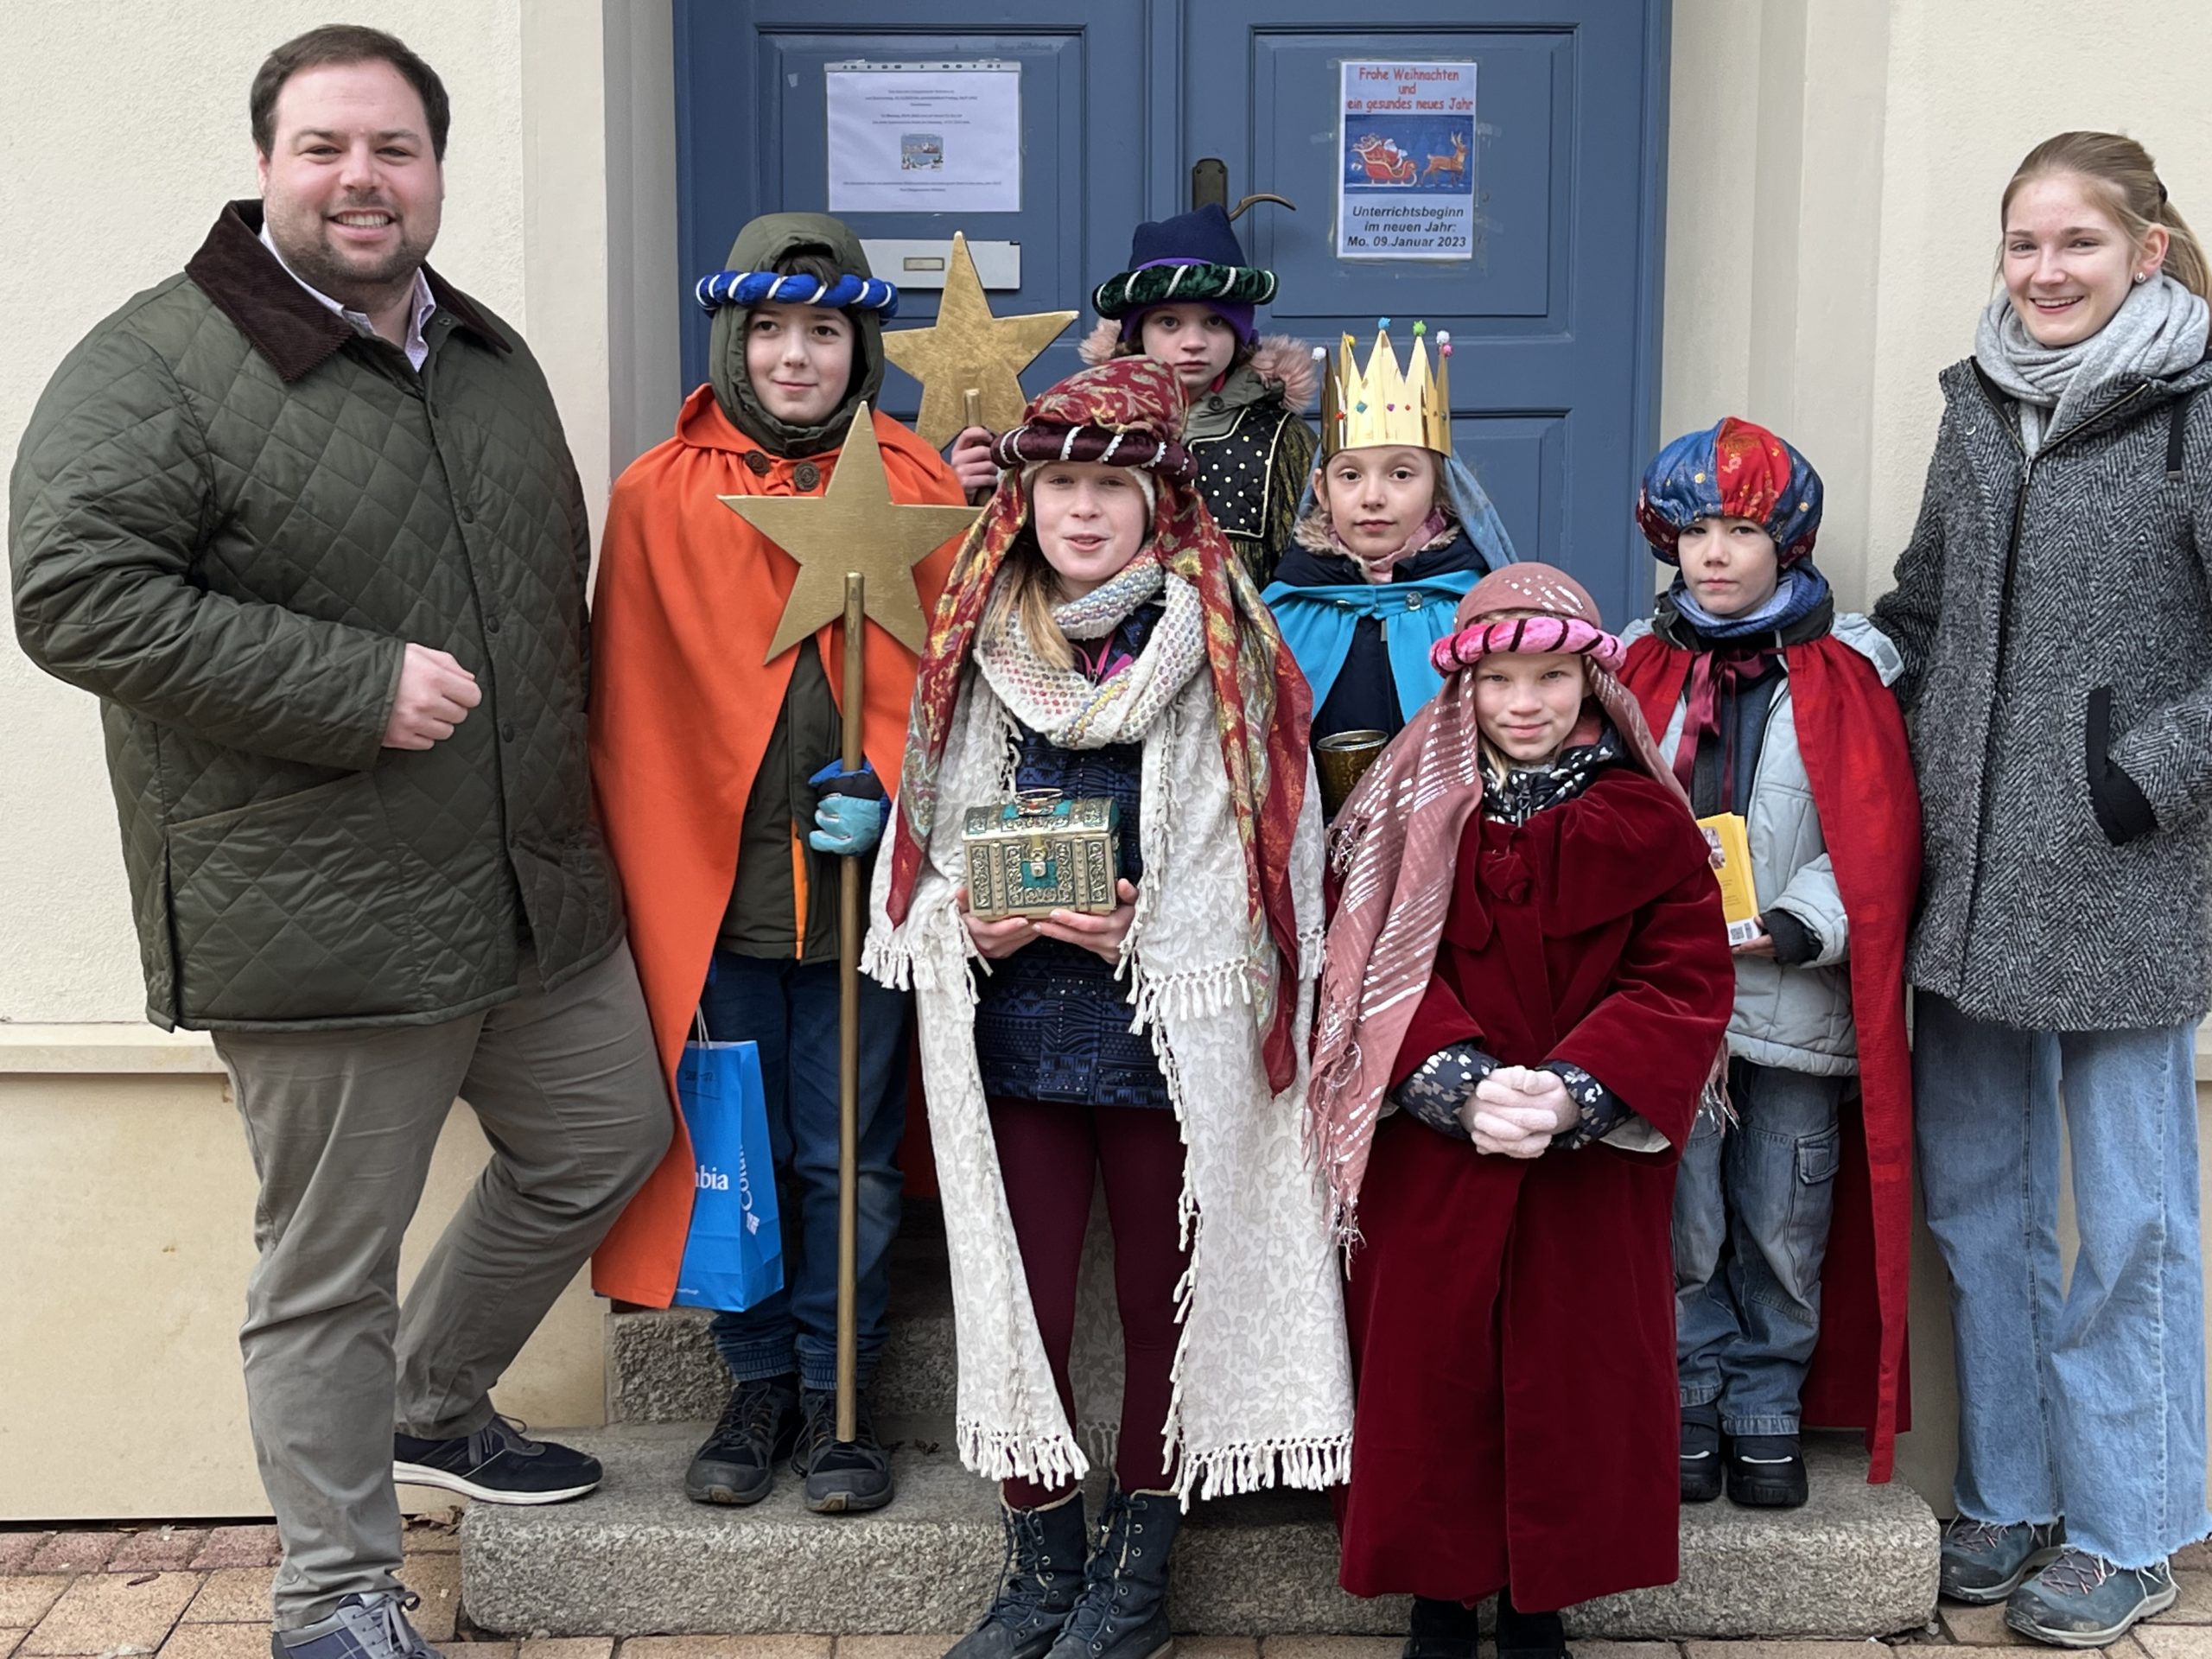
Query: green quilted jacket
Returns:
{"type": "Point", "coordinates": [230, 514]}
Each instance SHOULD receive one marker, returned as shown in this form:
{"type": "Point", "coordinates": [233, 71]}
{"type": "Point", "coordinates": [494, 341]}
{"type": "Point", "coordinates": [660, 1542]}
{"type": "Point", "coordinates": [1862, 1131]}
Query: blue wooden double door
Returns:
{"type": "Point", "coordinates": [1128, 107]}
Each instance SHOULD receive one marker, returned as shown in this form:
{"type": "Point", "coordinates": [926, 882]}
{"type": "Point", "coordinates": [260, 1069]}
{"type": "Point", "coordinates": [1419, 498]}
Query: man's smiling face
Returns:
{"type": "Point", "coordinates": [351, 187]}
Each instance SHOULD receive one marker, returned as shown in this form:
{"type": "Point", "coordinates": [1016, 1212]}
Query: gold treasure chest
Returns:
{"type": "Point", "coordinates": [1042, 852]}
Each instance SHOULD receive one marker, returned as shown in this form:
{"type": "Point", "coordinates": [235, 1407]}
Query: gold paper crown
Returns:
{"type": "Point", "coordinates": [1363, 407]}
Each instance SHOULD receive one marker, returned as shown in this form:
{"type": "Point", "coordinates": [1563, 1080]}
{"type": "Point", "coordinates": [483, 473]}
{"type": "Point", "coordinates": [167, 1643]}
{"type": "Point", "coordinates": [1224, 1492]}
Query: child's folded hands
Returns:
{"type": "Point", "coordinates": [1515, 1111]}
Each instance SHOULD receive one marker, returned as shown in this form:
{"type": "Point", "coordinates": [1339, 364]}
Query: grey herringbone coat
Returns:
{"type": "Point", "coordinates": [2026, 588]}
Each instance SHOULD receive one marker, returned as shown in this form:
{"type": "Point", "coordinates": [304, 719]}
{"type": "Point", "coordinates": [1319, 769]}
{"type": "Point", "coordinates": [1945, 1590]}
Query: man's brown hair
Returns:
{"type": "Point", "coordinates": [342, 43]}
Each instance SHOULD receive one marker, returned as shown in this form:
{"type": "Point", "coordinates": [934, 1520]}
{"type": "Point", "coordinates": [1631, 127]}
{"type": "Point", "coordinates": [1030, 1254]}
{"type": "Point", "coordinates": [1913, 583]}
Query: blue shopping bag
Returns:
{"type": "Point", "coordinates": [734, 1255]}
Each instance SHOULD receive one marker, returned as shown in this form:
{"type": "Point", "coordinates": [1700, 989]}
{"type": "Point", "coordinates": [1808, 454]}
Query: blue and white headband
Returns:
{"type": "Point", "coordinates": [751, 288]}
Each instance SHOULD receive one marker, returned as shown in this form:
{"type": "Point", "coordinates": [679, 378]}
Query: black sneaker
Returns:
{"type": "Point", "coordinates": [1767, 1472]}
{"type": "Point", "coordinates": [841, 1477]}
{"type": "Point", "coordinates": [1701, 1454]}
{"type": "Point", "coordinates": [499, 1463]}
{"type": "Point", "coordinates": [1528, 1636]}
{"type": "Point", "coordinates": [738, 1463]}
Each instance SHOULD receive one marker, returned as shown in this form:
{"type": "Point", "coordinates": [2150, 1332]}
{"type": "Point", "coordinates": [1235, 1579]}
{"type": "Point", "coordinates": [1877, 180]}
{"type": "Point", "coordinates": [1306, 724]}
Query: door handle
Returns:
{"type": "Point", "coordinates": [1210, 183]}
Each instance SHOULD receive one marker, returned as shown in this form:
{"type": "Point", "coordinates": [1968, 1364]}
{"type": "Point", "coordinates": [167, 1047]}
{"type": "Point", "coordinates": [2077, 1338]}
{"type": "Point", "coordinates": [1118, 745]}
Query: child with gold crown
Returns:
{"type": "Point", "coordinates": [1393, 532]}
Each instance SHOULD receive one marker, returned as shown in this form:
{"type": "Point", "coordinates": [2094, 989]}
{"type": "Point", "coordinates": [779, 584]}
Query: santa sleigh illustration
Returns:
{"type": "Point", "coordinates": [1384, 162]}
{"type": "Point", "coordinates": [1387, 164]}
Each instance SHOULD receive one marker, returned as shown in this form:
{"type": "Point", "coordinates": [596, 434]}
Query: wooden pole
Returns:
{"type": "Point", "coordinates": [973, 398]}
{"type": "Point", "coordinates": [848, 1038]}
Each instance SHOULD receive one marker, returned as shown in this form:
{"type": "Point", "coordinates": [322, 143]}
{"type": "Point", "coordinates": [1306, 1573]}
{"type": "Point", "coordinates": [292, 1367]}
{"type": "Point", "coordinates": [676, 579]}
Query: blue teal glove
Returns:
{"type": "Point", "coordinates": [850, 815]}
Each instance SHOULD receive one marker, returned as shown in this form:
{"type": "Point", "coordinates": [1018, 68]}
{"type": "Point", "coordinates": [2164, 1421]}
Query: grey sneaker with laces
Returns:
{"type": "Point", "coordinates": [1982, 1561]}
{"type": "Point", "coordinates": [2082, 1600]}
{"type": "Point", "coordinates": [364, 1627]}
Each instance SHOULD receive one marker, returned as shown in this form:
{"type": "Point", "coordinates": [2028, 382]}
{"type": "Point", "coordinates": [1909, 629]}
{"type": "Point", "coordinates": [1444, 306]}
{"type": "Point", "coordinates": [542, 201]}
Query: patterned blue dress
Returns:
{"type": "Point", "coordinates": [1052, 1021]}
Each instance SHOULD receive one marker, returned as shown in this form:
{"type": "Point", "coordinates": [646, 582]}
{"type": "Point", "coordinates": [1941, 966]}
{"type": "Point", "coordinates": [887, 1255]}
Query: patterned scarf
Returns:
{"type": "Point", "coordinates": [1516, 794]}
{"type": "Point", "coordinates": [1137, 406]}
{"type": "Point", "coordinates": [1068, 707]}
{"type": "Point", "coordinates": [1395, 846]}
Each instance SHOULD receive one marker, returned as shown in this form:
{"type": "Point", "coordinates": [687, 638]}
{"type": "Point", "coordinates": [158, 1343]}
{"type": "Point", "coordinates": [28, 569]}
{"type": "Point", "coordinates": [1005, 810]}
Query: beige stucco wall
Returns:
{"type": "Point", "coordinates": [124, 1182]}
{"type": "Point", "coordinates": [1833, 178]}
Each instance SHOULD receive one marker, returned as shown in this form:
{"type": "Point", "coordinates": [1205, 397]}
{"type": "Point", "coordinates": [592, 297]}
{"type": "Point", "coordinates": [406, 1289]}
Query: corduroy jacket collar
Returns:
{"type": "Point", "coordinates": [280, 318]}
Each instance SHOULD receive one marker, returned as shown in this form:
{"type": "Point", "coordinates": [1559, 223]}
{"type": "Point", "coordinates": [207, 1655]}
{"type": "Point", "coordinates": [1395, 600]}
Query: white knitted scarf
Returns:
{"type": "Point", "coordinates": [1263, 1381]}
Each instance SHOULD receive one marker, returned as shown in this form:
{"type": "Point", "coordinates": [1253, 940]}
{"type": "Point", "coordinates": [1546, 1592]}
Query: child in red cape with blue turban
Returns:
{"type": "Point", "coordinates": [1793, 1222]}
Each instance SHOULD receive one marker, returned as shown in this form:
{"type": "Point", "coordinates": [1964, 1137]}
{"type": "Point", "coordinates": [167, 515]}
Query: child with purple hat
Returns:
{"type": "Point", "coordinates": [1188, 300]}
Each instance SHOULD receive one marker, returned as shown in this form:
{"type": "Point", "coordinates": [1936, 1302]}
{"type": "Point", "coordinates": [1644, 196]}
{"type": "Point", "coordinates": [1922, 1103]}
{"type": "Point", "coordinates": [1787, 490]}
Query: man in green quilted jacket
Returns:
{"type": "Point", "coordinates": [302, 516]}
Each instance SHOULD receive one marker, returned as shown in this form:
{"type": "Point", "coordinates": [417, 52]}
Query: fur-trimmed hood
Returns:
{"type": "Point", "coordinates": [1282, 364]}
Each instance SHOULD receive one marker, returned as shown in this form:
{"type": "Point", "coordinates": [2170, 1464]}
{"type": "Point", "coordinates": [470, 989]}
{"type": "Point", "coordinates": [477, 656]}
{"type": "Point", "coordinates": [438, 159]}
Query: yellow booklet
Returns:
{"type": "Point", "coordinates": [1732, 853]}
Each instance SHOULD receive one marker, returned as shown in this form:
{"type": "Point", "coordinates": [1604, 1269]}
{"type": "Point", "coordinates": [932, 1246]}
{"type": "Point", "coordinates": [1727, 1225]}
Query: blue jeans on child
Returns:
{"type": "Point", "coordinates": [1751, 1210]}
{"type": "Point", "coordinates": [789, 1009]}
{"type": "Point", "coordinates": [2088, 1404]}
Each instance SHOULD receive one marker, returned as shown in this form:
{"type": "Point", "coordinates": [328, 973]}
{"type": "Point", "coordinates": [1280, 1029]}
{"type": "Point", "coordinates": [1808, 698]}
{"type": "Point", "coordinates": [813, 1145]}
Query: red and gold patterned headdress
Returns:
{"type": "Point", "coordinates": [1129, 412]}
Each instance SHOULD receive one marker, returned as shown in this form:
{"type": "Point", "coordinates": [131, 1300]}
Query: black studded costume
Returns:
{"type": "Point", "coordinates": [1254, 451]}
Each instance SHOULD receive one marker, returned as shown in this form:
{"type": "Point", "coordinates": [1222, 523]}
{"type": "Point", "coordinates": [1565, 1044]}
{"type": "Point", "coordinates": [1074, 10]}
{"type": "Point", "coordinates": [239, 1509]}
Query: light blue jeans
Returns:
{"type": "Point", "coordinates": [2088, 1404]}
{"type": "Point", "coordinates": [1751, 1211]}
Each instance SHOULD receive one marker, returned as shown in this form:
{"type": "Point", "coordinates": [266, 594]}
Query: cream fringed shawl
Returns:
{"type": "Point", "coordinates": [1262, 1380]}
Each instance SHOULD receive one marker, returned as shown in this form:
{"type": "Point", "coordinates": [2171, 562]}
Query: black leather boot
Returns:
{"type": "Point", "coordinates": [1044, 1579]}
{"type": "Point", "coordinates": [1123, 1611]}
{"type": "Point", "coordinates": [1528, 1636]}
{"type": "Point", "coordinates": [1442, 1630]}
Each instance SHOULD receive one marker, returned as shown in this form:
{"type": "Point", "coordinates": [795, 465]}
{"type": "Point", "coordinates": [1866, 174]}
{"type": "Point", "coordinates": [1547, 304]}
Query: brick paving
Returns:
{"type": "Point", "coordinates": [189, 1592]}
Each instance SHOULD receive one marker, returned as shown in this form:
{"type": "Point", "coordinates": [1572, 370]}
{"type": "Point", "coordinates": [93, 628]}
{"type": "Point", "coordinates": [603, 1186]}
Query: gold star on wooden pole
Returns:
{"type": "Point", "coordinates": [852, 526]}
{"type": "Point", "coordinates": [968, 350]}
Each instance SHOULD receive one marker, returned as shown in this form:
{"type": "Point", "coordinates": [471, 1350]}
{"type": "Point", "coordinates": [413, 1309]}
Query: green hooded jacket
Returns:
{"type": "Point", "coordinates": [768, 916]}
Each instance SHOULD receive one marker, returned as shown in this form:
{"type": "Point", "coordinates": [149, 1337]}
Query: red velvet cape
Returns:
{"type": "Point", "coordinates": [1853, 737]}
{"type": "Point", "coordinates": [1512, 1322]}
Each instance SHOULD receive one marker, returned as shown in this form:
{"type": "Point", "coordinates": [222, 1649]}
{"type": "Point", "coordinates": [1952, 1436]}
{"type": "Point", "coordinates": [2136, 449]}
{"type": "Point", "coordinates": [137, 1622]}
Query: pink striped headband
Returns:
{"type": "Point", "coordinates": [1569, 635]}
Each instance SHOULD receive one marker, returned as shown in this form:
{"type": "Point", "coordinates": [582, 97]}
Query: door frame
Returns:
{"type": "Point", "coordinates": [713, 202]}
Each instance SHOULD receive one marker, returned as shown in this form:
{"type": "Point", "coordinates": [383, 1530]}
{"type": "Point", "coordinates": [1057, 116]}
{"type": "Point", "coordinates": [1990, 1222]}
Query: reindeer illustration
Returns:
{"type": "Point", "coordinates": [1455, 163]}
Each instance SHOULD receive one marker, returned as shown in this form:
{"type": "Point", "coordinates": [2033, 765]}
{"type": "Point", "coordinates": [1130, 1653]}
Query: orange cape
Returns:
{"type": "Point", "coordinates": [687, 597]}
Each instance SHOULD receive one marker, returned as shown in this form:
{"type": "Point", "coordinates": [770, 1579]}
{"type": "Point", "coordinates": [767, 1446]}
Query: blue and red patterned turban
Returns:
{"type": "Point", "coordinates": [1735, 471]}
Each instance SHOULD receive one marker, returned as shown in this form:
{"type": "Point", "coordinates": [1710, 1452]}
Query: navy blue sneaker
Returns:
{"type": "Point", "coordinates": [1767, 1472]}
{"type": "Point", "coordinates": [1700, 1453]}
{"type": "Point", "coordinates": [364, 1627]}
{"type": "Point", "coordinates": [2082, 1600]}
{"type": "Point", "coordinates": [499, 1463]}
{"type": "Point", "coordinates": [1981, 1561]}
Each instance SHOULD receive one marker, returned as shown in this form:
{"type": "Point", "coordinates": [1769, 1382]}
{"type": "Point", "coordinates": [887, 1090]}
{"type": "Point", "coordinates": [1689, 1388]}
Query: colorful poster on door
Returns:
{"type": "Point", "coordinates": [1406, 189]}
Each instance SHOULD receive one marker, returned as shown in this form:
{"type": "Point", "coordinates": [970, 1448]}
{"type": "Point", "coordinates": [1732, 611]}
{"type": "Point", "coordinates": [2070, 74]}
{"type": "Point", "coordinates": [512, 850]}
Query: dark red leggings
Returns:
{"type": "Point", "coordinates": [1051, 1155]}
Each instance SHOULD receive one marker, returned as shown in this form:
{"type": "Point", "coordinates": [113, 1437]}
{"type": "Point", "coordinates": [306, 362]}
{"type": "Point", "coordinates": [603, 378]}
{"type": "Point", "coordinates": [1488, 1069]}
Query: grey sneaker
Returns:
{"type": "Point", "coordinates": [1982, 1562]}
{"type": "Point", "coordinates": [364, 1627]}
{"type": "Point", "coordinates": [2082, 1600]}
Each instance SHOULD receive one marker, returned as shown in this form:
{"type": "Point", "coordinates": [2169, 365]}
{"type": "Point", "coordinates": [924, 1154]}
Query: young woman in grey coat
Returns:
{"type": "Point", "coordinates": [2055, 612]}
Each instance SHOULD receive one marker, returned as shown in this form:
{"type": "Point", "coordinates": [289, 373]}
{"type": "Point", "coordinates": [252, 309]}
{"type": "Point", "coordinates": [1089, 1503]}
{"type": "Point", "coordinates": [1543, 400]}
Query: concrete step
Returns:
{"type": "Point", "coordinates": [637, 1558]}
{"type": "Point", "coordinates": [661, 1367]}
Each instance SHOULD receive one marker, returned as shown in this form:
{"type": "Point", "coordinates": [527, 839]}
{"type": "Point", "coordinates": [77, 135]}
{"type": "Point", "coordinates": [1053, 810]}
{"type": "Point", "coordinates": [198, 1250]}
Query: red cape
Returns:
{"type": "Point", "coordinates": [687, 597]}
{"type": "Point", "coordinates": [1857, 760]}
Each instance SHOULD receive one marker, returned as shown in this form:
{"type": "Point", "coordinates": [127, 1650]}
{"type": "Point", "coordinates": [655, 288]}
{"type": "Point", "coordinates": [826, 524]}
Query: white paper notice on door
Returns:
{"type": "Point", "coordinates": [924, 138]}
{"type": "Point", "coordinates": [1406, 182]}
